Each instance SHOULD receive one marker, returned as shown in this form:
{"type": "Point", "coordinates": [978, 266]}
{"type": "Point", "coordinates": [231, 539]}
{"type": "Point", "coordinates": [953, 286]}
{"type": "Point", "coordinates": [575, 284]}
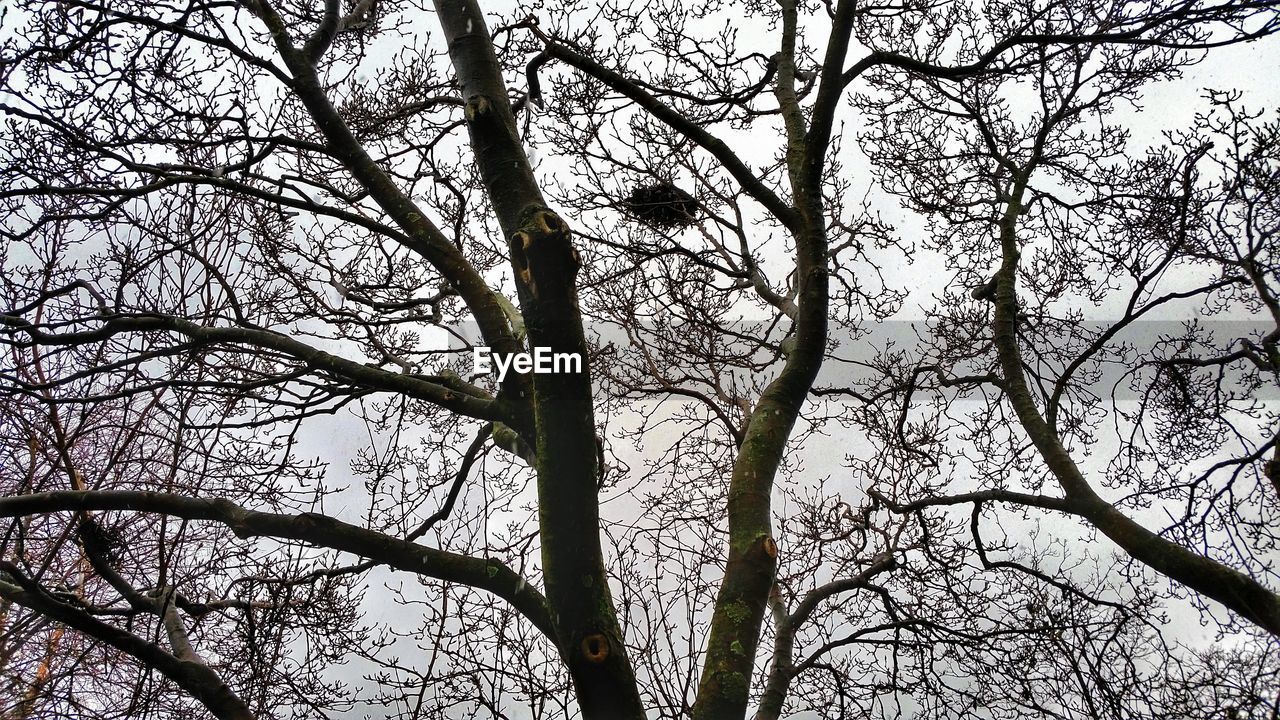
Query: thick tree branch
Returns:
{"type": "Point", "coordinates": [747, 180]}
{"type": "Point", "coordinates": [724, 688]}
{"type": "Point", "coordinates": [453, 396]}
{"type": "Point", "coordinates": [1182, 16]}
{"type": "Point", "coordinates": [312, 528]}
{"type": "Point", "coordinates": [1045, 502]}
{"type": "Point", "coordinates": [830, 89]}
{"type": "Point", "coordinates": [1239, 592]}
{"type": "Point", "coordinates": [194, 677]}
{"type": "Point", "coordinates": [435, 247]}
{"type": "Point", "coordinates": [782, 671]}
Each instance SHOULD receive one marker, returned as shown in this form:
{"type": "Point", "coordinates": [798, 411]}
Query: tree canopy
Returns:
{"type": "Point", "coordinates": [923, 376]}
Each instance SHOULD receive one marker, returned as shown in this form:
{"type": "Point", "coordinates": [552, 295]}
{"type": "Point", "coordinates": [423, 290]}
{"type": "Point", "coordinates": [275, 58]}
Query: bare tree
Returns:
{"type": "Point", "coordinates": [226, 221]}
{"type": "Point", "coordinates": [1081, 224]}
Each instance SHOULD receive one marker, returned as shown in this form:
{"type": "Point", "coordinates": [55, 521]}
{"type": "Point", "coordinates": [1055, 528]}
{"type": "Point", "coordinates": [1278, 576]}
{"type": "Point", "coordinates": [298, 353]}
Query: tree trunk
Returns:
{"type": "Point", "coordinates": [546, 264]}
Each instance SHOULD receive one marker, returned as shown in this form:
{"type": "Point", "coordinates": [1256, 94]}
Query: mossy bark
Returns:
{"type": "Point", "coordinates": [545, 265]}
{"type": "Point", "coordinates": [1239, 592]}
{"type": "Point", "coordinates": [724, 689]}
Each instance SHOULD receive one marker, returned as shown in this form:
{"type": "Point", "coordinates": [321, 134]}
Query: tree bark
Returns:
{"type": "Point", "coordinates": [724, 690]}
{"type": "Point", "coordinates": [316, 529]}
{"type": "Point", "coordinates": [1239, 592]}
{"type": "Point", "coordinates": [545, 265]}
{"type": "Point", "coordinates": [194, 677]}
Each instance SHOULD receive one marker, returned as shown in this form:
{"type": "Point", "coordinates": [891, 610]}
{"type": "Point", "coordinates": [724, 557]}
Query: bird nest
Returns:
{"type": "Point", "coordinates": [662, 205]}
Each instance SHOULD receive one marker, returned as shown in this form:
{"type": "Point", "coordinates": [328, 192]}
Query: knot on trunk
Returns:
{"type": "Point", "coordinates": [542, 254]}
{"type": "Point", "coordinates": [595, 648]}
{"type": "Point", "coordinates": [770, 546]}
{"type": "Point", "coordinates": [477, 107]}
